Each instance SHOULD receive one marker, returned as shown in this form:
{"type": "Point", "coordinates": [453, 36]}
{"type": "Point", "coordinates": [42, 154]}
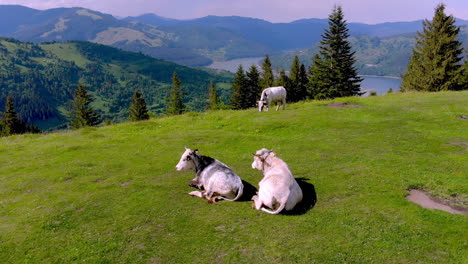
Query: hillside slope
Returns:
{"type": "Point", "coordinates": [41, 79]}
{"type": "Point", "coordinates": [112, 194]}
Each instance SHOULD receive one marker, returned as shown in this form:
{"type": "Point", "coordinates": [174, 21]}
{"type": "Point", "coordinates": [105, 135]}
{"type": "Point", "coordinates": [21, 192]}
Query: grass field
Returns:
{"type": "Point", "coordinates": [112, 194]}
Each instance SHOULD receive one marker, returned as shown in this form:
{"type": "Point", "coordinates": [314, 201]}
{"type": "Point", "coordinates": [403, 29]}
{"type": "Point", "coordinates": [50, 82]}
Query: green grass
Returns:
{"type": "Point", "coordinates": [112, 195]}
{"type": "Point", "coordinates": [67, 52]}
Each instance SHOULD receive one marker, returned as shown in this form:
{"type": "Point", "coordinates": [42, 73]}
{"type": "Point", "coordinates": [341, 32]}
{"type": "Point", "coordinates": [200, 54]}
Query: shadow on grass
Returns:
{"type": "Point", "coordinates": [249, 192]}
{"type": "Point", "coordinates": [309, 198]}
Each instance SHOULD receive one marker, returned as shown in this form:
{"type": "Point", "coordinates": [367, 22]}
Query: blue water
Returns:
{"type": "Point", "coordinates": [381, 85]}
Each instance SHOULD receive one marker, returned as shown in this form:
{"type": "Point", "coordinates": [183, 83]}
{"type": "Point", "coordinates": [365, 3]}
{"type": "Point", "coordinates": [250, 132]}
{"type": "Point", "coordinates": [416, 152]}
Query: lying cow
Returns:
{"type": "Point", "coordinates": [215, 178]}
{"type": "Point", "coordinates": [278, 189]}
{"type": "Point", "coordinates": [272, 95]}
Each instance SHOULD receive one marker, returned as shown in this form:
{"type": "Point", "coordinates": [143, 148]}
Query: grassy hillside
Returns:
{"type": "Point", "coordinates": [41, 79]}
{"type": "Point", "coordinates": [112, 195]}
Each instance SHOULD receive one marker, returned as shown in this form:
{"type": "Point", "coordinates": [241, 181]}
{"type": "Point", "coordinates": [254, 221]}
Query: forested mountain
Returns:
{"type": "Point", "coordinates": [192, 42]}
{"type": "Point", "coordinates": [42, 77]}
{"type": "Point", "coordinates": [375, 55]}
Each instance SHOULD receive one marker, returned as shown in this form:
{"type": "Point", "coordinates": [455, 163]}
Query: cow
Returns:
{"type": "Point", "coordinates": [272, 95]}
{"type": "Point", "coordinates": [216, 180]}
{"type": "Point", "coordinates": [278, 190]}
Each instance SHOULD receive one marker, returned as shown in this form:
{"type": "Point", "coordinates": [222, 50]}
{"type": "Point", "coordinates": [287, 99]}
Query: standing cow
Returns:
{"type": "Point", "coordinates": [278, 190]}
{"type": "Point", "coordinates": [216, 179]}
{"type": "Point", "coordinates": [272, 95]}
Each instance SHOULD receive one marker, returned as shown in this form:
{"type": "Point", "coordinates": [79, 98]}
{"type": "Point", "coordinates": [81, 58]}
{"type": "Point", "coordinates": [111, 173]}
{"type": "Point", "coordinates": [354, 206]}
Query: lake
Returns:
{"type": "Point", "coordinates": [379, 84]}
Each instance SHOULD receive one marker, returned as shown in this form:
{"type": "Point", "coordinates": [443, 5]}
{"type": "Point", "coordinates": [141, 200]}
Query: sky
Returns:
{"type": "Point", "coordinates": [364, 11]}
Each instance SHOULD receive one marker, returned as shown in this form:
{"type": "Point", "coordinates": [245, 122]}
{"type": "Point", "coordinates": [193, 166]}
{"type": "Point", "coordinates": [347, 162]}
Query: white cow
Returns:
{"type": "Point", "coordinates": [272, 95]}
{"type": "Point", "coordinates": [216, 178]}
{"type": "Point", "coordinates": [278, 189]}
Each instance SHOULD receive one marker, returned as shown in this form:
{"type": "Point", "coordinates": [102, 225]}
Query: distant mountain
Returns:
{"type": "Point", "coordinates": [41, 79]}
{"type": "Point", "coordinates": [194, 42]}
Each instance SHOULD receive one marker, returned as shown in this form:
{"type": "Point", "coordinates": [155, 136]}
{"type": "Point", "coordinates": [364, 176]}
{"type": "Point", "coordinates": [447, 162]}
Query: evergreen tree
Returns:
{"type": "Point", "coordinates": [239, 92]}
{"type": "Point", "coordinates": [435, 63]}
{"type": "Point", "coordinates": [175, 104]}
{"type": "Point", "coordinates": [138, 110]}
{"type": "Point", "coordinates": [337, 60]}
{"type": "Point", "coordinates": [284, 81]}
{"type": "Point", "coordinates": [213, 99]}
{"type": "Point", "coordinates": [319, 86]}
{"type": "Point", "coordinates": [253, 86]}
{"type": "Point", "coordinates": [267, 79]}
{"type": "Point", "coordinates": [81, 113]}
{"type": "Point", "coordinates": [464, 78]}
{"type": "Point", "coordinates": [303, 82]}
{"type": "Point", "coordinates": [11, 123]}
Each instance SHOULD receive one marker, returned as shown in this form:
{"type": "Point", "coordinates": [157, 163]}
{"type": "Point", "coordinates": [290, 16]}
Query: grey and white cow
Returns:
{"type": "Point", "coordinates": [278, 190]}
{"type": "Point", "coordinates": [215, 178]}
{"type": "Point", "coordinates": [272, 95]}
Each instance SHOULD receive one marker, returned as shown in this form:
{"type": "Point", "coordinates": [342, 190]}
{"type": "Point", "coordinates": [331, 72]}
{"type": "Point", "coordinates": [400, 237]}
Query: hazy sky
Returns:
{"type": "Point", "coordinates": [367, 11]}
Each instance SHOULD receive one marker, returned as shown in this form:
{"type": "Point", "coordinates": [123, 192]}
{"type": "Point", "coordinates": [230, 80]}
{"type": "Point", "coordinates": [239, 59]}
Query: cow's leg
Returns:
{"type": "Point", "coordinates": [257, 202]}
{"type": "Point", "coordinates": [197, 193]}
{"type": "Point", "coordinates": [277, 105]}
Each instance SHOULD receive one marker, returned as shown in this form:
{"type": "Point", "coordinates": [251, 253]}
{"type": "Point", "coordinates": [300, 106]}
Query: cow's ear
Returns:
{"type": "Point", "coordinates": [195, 151]}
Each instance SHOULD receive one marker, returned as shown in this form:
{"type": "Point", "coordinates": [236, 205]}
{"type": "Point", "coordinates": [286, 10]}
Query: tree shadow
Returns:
{"type": "Point", "coordinates": [309, 198]}
{"type": "Point", "coordinates": [248, 193]}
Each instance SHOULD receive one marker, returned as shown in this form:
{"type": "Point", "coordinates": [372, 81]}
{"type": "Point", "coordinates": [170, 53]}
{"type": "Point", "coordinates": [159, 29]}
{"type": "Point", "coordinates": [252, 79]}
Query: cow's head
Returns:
{"type": "Point", "coordinates": [260, 158]}
{"type": "Point", "coordinates": [186, 160]}
{"type": "Point", "coordinates": [261, 104]}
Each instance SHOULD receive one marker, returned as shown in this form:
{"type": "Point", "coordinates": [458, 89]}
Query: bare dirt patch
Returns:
{"type": "Point", "coordinates": [430, 202]}
{"type": "Point", "coordinates": [339, 105]}
{"type": "Point", "coordinates": [463, 117]}
{"type": "Point", "coordinates": [461, 144]}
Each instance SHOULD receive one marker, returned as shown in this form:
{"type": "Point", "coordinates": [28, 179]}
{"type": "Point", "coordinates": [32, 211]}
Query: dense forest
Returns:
{"type": "Point", "coordinates": [41, 80]}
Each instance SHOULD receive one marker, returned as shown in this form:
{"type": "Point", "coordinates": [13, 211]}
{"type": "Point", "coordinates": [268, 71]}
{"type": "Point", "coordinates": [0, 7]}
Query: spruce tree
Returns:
{"type": "Point", "coordinates": [253, 86]}
{"type": "Point", "coordinates": [284, 81]}
{"type": "Point", "coordinates": [267, 79]}
{"type": "Point", "coordinates": [293, 91]}
{"type": "Point", "coordinates": [213, 99]}
{"type": "Point", "coordinates": [319, 86]}
{"type": "Point", "coordinates": [337, 60]}
{"type": "Point", "coordinates": [303, 82]}
{"type": "Point", "coordinates": [239, 92]}
{"type": "Point", "coordinates": [464, 78]}
{"type": "Point", "coordinates": [138, 110]}
{"type": "Point", "coordinates": [175, 104]}
{"type": "Point", "coordinates": [435, 63]}
{"type": "Point", "coordinates": [81, 113]}
{"type": "Point", "coordinates": [11, 123]}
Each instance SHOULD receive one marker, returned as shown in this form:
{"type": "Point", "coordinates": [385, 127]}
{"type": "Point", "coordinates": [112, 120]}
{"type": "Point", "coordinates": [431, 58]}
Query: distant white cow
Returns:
{"type": "Point", "coordinates": [278, 189]}
{"type": "Point", "coordinates": [216, 178]}
{"type": "Point", "coordinates": [272, 95]}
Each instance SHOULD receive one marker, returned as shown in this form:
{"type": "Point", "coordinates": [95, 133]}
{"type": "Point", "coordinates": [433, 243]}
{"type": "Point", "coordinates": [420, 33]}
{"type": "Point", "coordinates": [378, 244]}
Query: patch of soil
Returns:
{"type": "Point", "coordinates": [463, 145]}
{"type": "Point", "coordinates": [463, 117]}
{"type": "Point", "coordinates": [98, 180]}
{"type": "Point", "coordinates": [430, 202]}
{"type": "Point", "coordinates": [338, 105]}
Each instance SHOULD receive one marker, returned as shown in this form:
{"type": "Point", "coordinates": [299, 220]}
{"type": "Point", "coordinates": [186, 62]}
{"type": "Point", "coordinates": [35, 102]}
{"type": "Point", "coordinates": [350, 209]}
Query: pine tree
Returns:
{"type": "Point", "coordinates": [464, 78]}
{"type": "Point", "coordinates": [293, 91]}
{"type": "Point", "coordinates": [284, 81]}
{"type": "Point", "coordinates": [267, 79]}
{"type": "Point", "coordinates": [319, 86]}
{"type": "Point", "coordinates": [81, 113]}
{"type": "Point", "coordinates": [253, 86]}
{"type": "Point", "coordinates": [175, 104]}
{"type": "Point", "coordinates": [239, 92]}
{"type": "Point", "coordinates": [213, 99]}
{"type": "Point", "coordinates": [435, 63]}
{"type": "Point", "coordinates": [138, 110]}
{"type": "Point", "coordinates": [337, 60]}
{"type": "Point", "coordinates": [11, 123]}
{"type": "Point", "coordinates": [303, 82]}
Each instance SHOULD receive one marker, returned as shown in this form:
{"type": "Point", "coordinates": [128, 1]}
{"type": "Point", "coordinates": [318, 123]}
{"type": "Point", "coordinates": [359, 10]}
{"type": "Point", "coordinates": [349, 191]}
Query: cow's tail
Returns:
{"type": "Point", "coordinates": [277, 211]}
{"type": "Point", "coordinates": [240, 191]}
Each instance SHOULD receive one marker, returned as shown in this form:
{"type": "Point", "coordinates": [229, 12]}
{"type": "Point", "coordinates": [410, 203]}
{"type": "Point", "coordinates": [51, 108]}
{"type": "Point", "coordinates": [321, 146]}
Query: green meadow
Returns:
{"type": "Point", "coordinates": [112, 195]}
